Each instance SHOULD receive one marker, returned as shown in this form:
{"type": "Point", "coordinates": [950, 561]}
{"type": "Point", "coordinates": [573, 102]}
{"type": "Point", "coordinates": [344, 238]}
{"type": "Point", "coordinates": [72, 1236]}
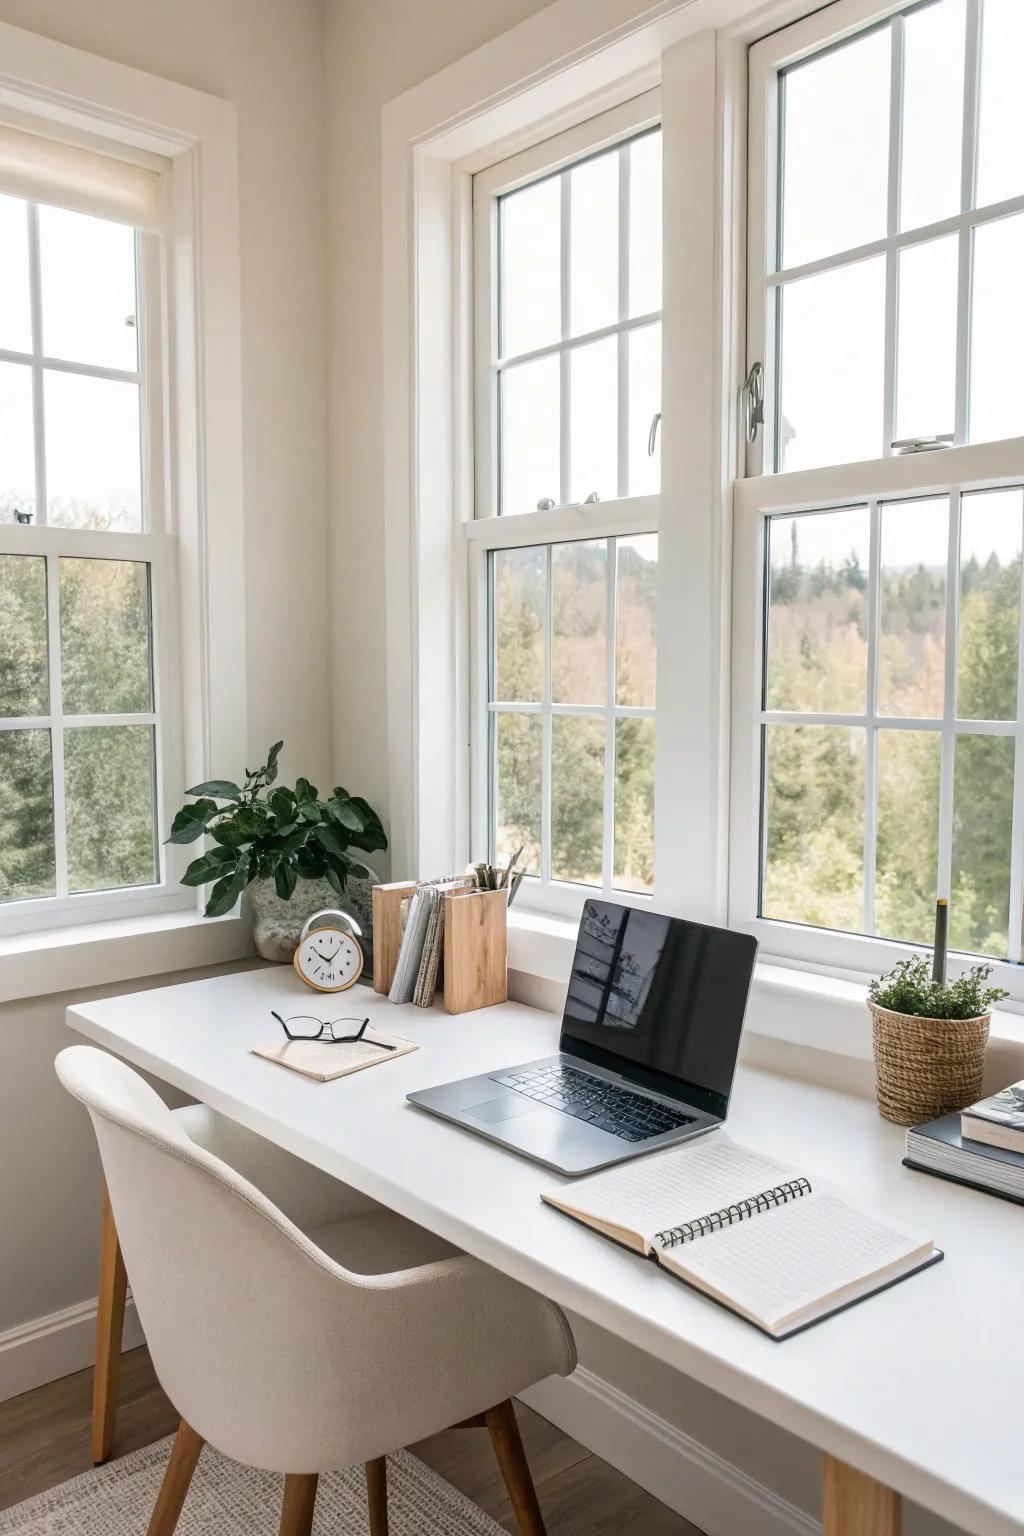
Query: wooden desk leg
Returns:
{"type": "Point", "coordinates": [113, 1283]}
{"type": "Point", "coordinates": [853, 1504]}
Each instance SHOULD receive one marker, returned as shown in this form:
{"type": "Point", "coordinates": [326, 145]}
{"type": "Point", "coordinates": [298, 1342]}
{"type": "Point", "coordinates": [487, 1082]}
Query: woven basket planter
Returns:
{"type": "Point", "coordinates": [925, 1068]}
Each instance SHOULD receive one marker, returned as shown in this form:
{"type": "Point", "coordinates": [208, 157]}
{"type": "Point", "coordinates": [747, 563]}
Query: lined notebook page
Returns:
{"type": "Point", "coordinates": [652, 1194]}
{"type": "Point", "coordinates": [795, 1256]}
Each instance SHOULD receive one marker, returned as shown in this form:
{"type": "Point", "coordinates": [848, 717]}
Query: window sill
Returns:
{"type": "Point", "coordinates": [126, 949]}
{"type": "Point", "coordinates": [803, 1008]}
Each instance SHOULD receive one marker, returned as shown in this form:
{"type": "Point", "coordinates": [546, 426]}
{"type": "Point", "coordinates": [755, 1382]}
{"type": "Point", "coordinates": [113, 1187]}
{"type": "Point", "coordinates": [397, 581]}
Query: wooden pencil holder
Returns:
{"type": "Point", "coordinates": [475, 949]}
{"type": "Point", "coordinates": [475, 944]}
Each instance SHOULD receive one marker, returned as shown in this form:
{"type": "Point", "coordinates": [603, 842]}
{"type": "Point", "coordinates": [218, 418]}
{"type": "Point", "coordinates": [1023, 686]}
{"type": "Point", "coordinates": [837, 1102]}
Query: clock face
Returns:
{"type": "Point", "coordinates": [329, 960]}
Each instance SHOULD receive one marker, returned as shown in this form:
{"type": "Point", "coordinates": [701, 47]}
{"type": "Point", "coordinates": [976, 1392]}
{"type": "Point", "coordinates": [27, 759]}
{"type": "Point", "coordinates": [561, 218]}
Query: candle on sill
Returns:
{"type": "Point", "coordinates": [941, 940]}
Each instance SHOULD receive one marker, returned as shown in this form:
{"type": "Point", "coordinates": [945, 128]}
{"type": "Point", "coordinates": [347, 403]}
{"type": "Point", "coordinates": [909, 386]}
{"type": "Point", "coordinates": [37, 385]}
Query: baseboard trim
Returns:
{"type": "Point", "coordinates": [49, 1347]}
{"type": "Point", "coordinates": [696, 1482]}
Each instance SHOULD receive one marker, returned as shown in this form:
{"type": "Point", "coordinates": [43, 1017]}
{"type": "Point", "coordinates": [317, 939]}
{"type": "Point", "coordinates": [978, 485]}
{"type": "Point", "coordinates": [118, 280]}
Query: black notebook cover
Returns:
{"type": "Point", "coordinates": [947, 1130]}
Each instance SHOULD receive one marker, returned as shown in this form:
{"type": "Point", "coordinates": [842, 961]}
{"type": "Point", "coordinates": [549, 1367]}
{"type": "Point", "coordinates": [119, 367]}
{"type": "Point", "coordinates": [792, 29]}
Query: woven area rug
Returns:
{"type": "Point", "coordinates": [228, 1499]}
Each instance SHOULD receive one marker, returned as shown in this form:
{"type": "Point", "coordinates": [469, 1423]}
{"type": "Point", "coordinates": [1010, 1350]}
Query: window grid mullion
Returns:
{"type": "Point", "coordinates": [871, 735]}
{"type": "Point", "coordinates": [948, 747]}
{"type": "Point", "coordinates": [60, 846]}
{"type": "Point", "coordinates": [965, 241]}
{"type": "Point", "coordinates": [564, 372]}
{"type": "Point", "coordinates": [625, 162]}
{"type": "Point", "coordinates": [611, 627]}
{"type": "Point", "coordinates": [545, 760]}
{"type": "Point", "coordinates": [892, 260]}
{"type": "Point", "coordinates": [36, 312]}
{"type": "Point", "coordinates": [1015, 935]}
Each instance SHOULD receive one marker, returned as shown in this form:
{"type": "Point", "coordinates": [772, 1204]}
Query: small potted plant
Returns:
{"type": "Point", "coordinates": [929, 1039]}
{"type": "Point", "coordinates": [289, 847]}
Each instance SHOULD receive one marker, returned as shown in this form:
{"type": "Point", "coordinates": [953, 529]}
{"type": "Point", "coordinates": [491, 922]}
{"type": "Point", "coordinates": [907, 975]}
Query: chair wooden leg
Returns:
{"type": "Point", "coordinates": [377, 1495]}
{"type": "Point", "coordinates": [113, 1283]}
{"type": "Point", "coordinates": [855, 1505]}
{"type": "Point", "coordinates": [169, 1501]}
{"type": "Point", "coordinates": [298, 1503]}
{"type": "Point", "coordinates": [508, 1448]}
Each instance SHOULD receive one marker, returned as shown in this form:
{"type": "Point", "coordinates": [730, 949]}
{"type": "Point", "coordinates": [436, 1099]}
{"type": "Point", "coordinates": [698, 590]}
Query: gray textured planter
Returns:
{"type": "Point", "coordinates": [277, 924]}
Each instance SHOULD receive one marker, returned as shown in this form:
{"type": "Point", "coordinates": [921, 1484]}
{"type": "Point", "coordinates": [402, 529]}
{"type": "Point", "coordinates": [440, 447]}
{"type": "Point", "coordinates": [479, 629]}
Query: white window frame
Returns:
{"type": "Point", "coordinates": [194, 448]}
{"type": "Point", "coordinates": [488, 532]}
{"type": "Point", "coordinates": [950, 472]}
{"type": "Point", "coordinates": [152, 546]}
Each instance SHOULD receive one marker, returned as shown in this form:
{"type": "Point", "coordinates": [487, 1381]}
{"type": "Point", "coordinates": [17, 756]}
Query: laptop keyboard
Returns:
{"type": "Point", "coordinates": [631, 1116]}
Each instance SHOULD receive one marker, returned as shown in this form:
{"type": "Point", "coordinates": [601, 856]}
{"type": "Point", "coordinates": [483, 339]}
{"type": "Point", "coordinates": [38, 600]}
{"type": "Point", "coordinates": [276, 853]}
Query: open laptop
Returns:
{"type": "Point", "coordinates": [650, 1035]}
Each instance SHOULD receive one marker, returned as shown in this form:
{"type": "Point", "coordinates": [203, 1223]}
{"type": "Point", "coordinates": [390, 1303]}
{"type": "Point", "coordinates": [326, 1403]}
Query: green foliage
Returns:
{"type": "Point", "coordinates": [273, 834]}
{"type": "Point", "coordinates": [909, 988]}
{"type": "Point", "coordinates": [814, 775]}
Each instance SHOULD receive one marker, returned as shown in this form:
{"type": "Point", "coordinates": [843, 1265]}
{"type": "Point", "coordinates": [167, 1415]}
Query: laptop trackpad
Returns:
{"type": "Point", "coordinates": [507, 1107]}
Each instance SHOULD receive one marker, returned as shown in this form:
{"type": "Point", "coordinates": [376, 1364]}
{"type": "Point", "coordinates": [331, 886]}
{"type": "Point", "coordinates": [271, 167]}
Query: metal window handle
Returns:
{"type": "Point", "coordinates": [752, 393]}
{"type": "Point", "coordinates": [652, 436]}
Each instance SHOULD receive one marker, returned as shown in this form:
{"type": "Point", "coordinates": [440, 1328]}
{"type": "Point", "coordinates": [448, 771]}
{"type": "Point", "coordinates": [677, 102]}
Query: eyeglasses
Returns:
{"type": "Point", "coordinates": [302, 1026]}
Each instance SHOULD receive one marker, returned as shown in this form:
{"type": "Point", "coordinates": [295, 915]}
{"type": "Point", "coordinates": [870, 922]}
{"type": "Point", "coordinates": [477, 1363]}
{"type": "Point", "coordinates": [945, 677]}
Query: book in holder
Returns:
{"type": "Point", "coordinates": [754, 1235]}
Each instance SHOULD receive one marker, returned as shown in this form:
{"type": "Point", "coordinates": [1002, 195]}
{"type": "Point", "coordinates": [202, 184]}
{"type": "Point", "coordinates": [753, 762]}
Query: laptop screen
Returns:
{"type": "Point", "coordinates": [660, 1000]}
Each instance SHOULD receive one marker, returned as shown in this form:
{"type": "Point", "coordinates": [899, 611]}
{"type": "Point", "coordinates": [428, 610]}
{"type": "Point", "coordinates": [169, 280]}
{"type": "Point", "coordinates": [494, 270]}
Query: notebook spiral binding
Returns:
{"type": "Point", "coordinates": [731, 1214]}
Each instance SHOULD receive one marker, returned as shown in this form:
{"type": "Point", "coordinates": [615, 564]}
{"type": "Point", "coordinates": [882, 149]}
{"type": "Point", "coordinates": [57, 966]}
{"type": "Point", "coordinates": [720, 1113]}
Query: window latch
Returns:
{"type": "Point", "coordinates": [652, 436]}
{"type": "Point", "coordinates": [752, 394]}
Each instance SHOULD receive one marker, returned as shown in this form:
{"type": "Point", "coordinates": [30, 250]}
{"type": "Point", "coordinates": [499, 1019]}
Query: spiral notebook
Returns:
{"type": "Point", "coordinates": [751, 1233]}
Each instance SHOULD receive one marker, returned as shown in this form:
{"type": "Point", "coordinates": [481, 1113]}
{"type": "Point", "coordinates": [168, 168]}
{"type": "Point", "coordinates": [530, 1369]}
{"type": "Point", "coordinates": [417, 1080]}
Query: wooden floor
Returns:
{"type": "Point", "coordinates": [44, 1439]}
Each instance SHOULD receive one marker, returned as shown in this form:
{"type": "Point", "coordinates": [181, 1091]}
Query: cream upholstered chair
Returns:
{"type": "Point", "coordinates": [303, 1351]}
{"type": "Point", "coordinates": [307, 1196]}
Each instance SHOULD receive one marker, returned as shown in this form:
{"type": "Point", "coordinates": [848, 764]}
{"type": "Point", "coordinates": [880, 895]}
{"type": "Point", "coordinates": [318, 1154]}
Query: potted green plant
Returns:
{"type": "Point", "coordinates": [929, 1039]}
{"type": "Point", "coordinates": [290, 848]}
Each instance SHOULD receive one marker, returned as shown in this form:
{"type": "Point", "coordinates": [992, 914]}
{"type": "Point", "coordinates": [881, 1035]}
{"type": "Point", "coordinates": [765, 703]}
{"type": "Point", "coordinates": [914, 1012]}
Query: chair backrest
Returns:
{"type": "Point", "coordinates": [242, 1313]}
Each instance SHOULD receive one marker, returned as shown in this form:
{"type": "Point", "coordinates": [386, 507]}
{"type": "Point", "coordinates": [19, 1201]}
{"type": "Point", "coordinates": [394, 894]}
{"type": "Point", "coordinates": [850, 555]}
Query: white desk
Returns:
{"type": "Point", "coordinates": [878, 1387]}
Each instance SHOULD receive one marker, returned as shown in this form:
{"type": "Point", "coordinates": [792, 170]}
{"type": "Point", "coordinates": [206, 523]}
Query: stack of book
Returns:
{"type": "Point", "coordinates": [419, 959]}
{"type": "Point", "coordinates": [982, 1146]}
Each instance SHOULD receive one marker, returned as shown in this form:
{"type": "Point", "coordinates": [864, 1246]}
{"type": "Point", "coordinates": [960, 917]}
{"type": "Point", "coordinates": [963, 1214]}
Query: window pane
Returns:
{"type": "Point", "coordinates": [530, 307]}
{"type": "Point", "coordinates": [817, 648]}
{"type": "Point", "coordinates": [577, 798]}
{"type": "Point", "coordinates": [636, 605]}
{"type": "Point", "coordinates": [814, 825]}
{"type": "Point", "coordinates": [644, 401]}
{"type": "Point", "coordinates": [594, 246]}
{"type": "Point", "coordinates": [594, 426]}
{"type": "Point", "coordinates": [1000, 167]}
{"type": "Point", "coordinates": [833, 348]}
{"type": "Point", "coordinates": [104, 637]}
{"type": "Point", "coordinates": [907, 850]}
{"type": "Point", "coordinates": [518, 790]}
{"type": "Point", "coordinates": [645, 224]}
{"type": "Point", "coordinates": [579, 658]}
{"type": "Point", "coordinates": [530, 435]}
{"type": "Point", "coordinates": [997, 316]}
{"type": "Point", "coordinates": [982, 818]}
{"type": "Point", "coordinates": [108, 792]}
{"type": "Point", "coordinates": [24, 684]}
{"type": "Point", "coordinates": [990, 556]}
{"type": "Point", "coordinates": [15, 313]}
{"type": "Point", "coordinates": [27, 862]}
{"type": "Point", "coordinates": [912, 607]}
{"type": "Point", "coordinates": [835, 149]}
{"type": "Point", "coordinates": [93, 473]}
{"type": "Point", "coordinates": [634, 805]}
{"type": "Point", "coordinates": [926, 339]}
{"type": "Point", "coordinates": [17, 448]}
{"type": "Point", "coordinates": [520, 591]}
{"type": "Point", "coordinates": [87, 269]}
{"type": "Point", "coordinates": [933, 95]}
